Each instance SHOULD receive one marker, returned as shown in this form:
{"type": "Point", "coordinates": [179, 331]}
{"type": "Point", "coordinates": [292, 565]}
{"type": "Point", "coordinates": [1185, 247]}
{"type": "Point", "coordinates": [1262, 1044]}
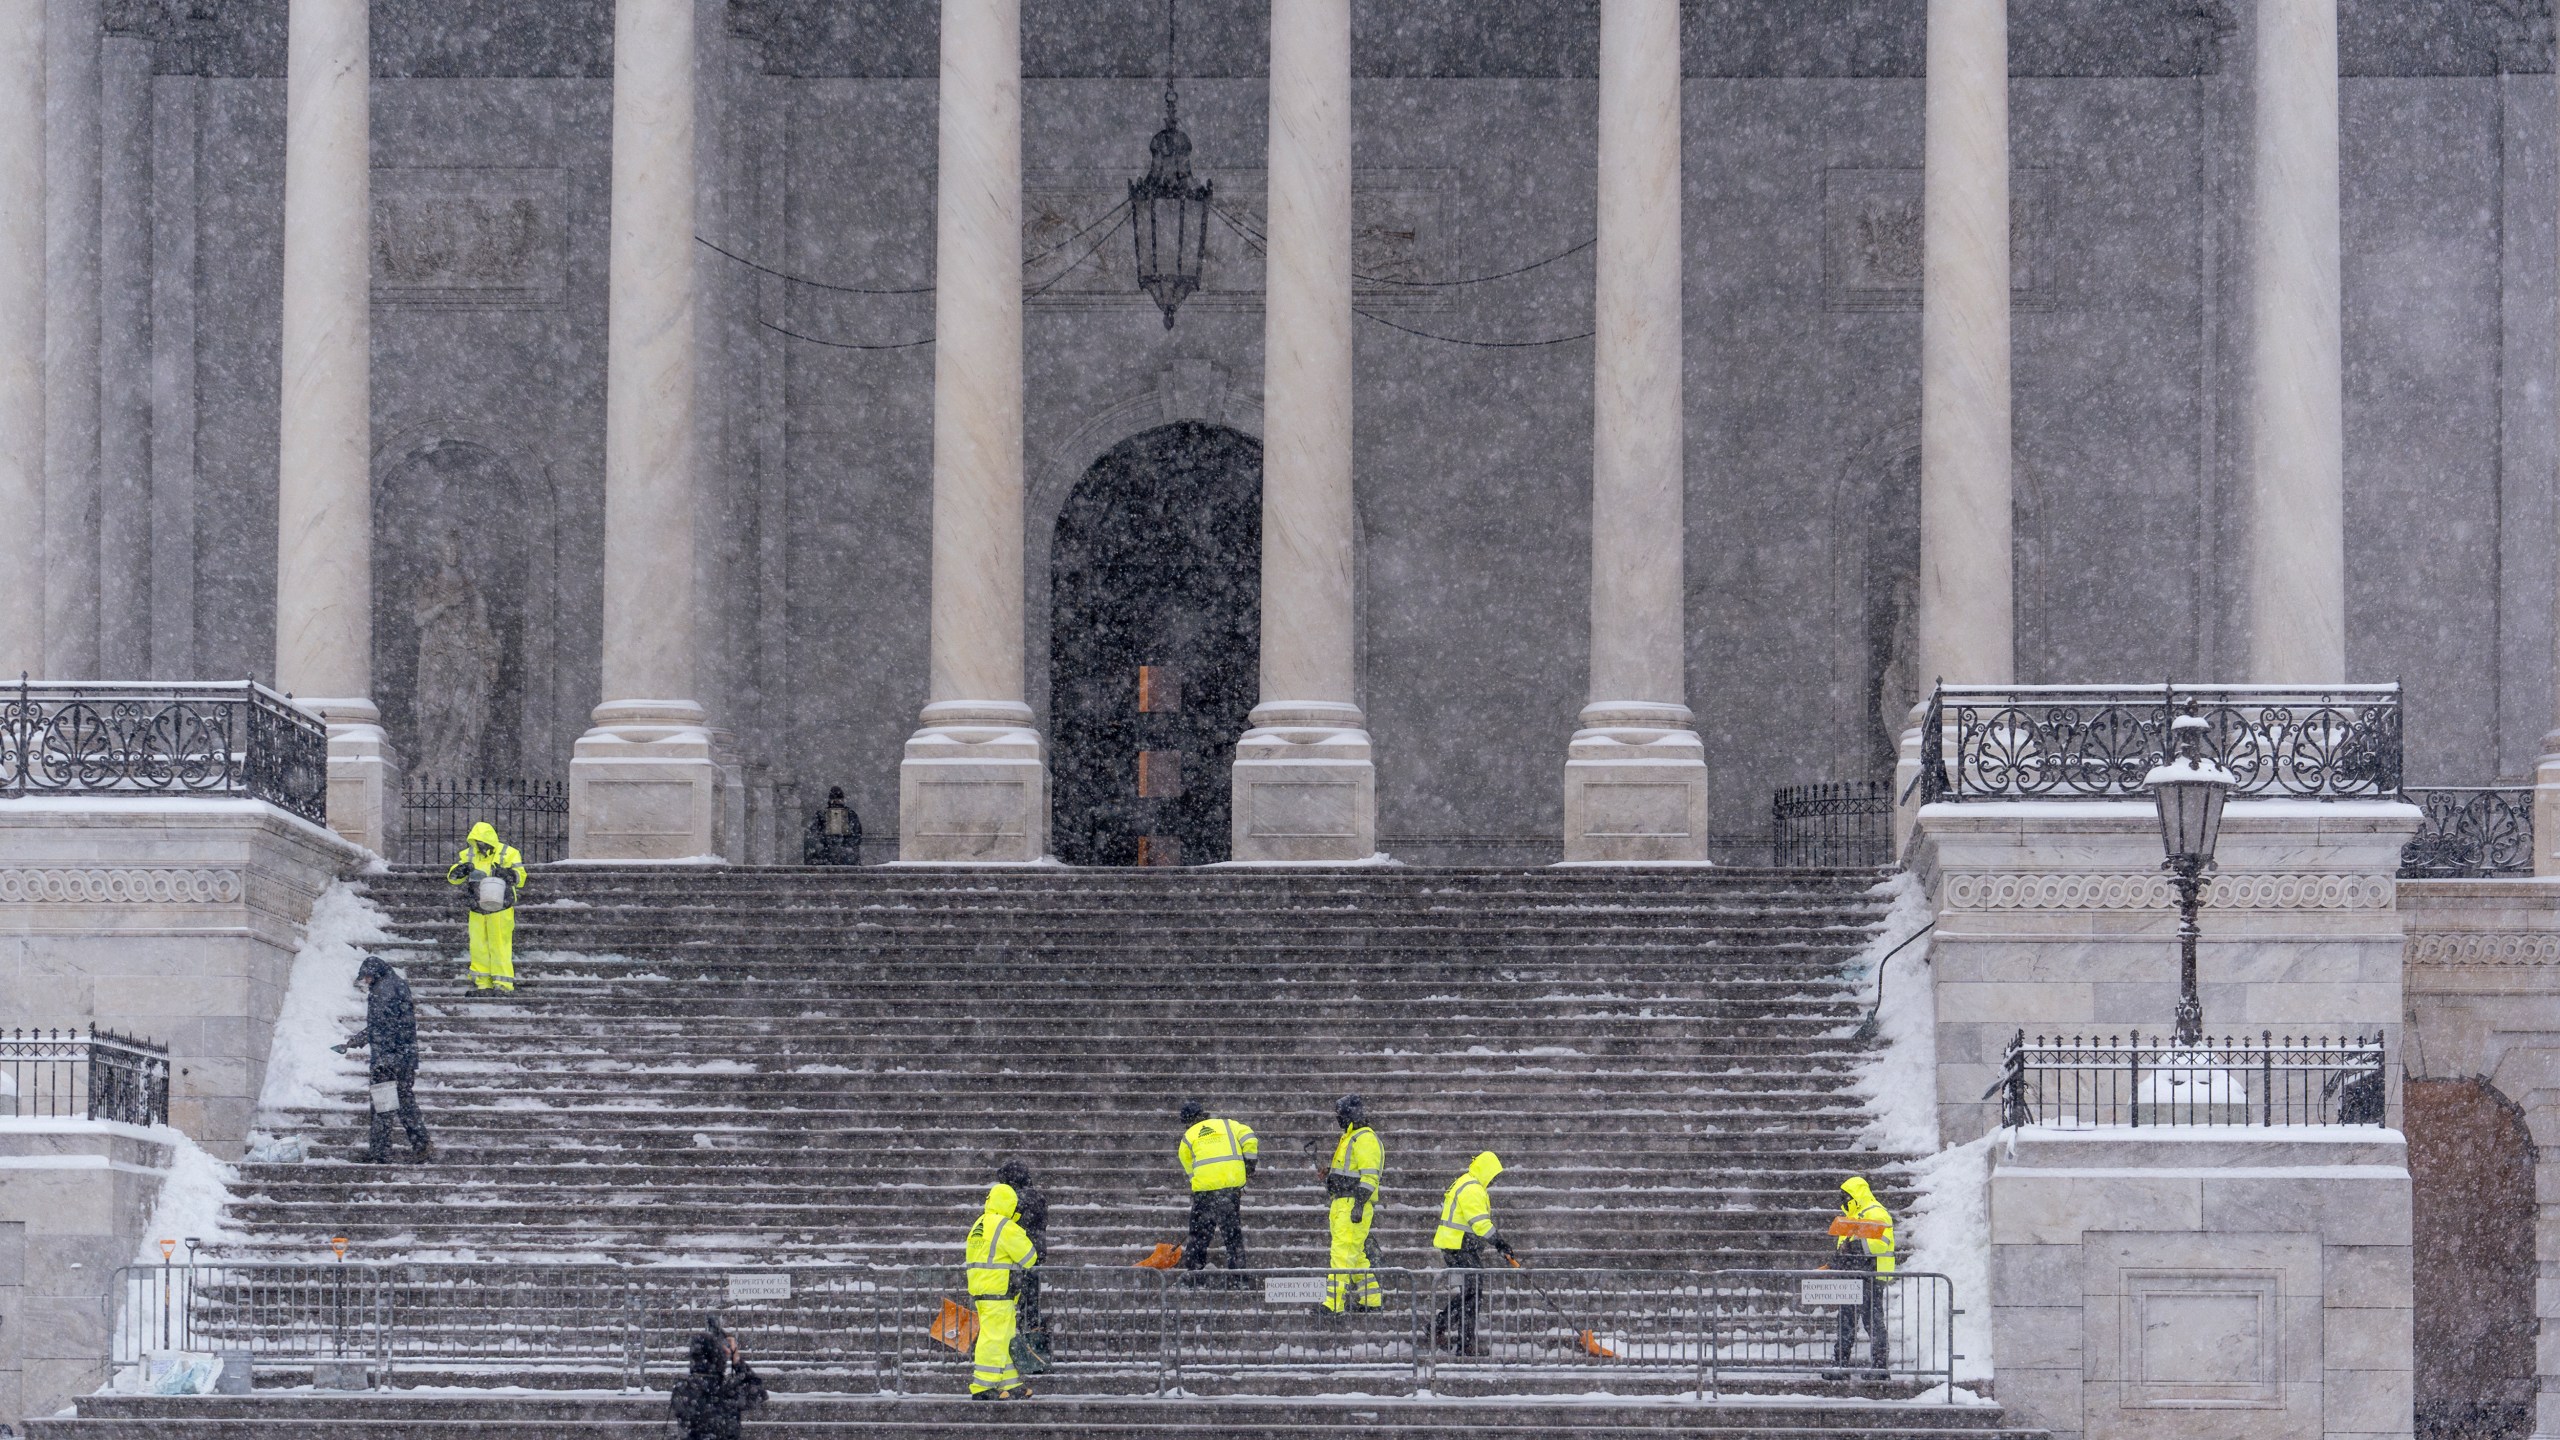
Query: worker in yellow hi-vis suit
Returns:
{"type": "Point", "coordinates": [1218, 1157]}
{"type": "Point", "coordinates": [493, 931]}
{"type": "Point", "coordinates": [1351, 1184]}
{"type": "Point", "coordinates": [998, 1252]}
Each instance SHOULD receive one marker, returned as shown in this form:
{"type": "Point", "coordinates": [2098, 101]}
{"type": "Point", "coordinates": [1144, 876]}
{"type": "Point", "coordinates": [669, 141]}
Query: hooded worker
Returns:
{"type": "Point", "coordinates": [493, 907]}
{"type": "Point", "coordinates": [390, 1043]}
{"type": "Point", "coordinates": [1465, 1237]}
{"type": "Point", "coordinates": [997, 1254]}
{"type": "Point", "coordinates": [1351, 1190]}
{"type": "Point", "coordinates": [719, 1388]}
{"type": "Point", "coordinates": [1864, 1243]}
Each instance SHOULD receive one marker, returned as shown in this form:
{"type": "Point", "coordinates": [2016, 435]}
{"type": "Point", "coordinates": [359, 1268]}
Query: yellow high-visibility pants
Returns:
{"type": "Point", "coordinates": [493, 950]}
{"type": "Point", "coordinates": [1350, 1261]}
{"type": "Point", "coordinates": [994, 1357]}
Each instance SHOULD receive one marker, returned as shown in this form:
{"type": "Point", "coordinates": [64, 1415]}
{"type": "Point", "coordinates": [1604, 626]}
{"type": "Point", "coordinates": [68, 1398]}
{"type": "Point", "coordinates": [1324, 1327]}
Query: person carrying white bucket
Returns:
{"type": "Point", "coordinates": [390, 1039]}
{"type": "Point", "coordinates": [491, 875]}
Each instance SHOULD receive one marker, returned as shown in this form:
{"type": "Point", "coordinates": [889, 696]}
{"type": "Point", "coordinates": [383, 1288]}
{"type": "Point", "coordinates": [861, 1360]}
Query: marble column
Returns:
{"type": "Point", "coordinates": [1635, 775]}
{"type": "Point", "coordinates": [22, 316]}
{"type": "Point", "coordinates": [324, 483]}
{"type": "Point", "coordinates": [643, 781]}
{"type": "Point", "coordinates": [72, 36]}
{"type": "Point", "coordinates": [2546, 808]}
{"type": "Point", "coordinates": [1305, 783]}
{"type": "Point", "coordinates": [973, 786]}
{"type": "Point", "coordinates": [1966, 622]}
{"type": "Point", "coordinates": [124, 406]}
{"type": "Point", "coordinates": [2298, 567]}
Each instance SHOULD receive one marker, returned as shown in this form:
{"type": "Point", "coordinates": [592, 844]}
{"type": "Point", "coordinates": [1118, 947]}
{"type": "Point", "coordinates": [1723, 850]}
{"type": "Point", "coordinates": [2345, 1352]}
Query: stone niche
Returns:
{"type": "Point", "coordinates": [2203, 1282]}
{"type": "Point", "coordinates": [173, 920]}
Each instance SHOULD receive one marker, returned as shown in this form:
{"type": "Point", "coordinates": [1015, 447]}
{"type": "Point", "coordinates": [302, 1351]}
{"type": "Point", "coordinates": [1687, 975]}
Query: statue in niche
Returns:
{"type": "Point", "coordinates": [457, 675]}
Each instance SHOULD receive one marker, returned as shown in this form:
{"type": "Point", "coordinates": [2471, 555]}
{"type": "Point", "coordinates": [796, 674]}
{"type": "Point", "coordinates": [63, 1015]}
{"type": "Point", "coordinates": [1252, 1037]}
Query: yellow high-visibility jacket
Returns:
{"type": "Point", "coordinates": [483, 853]}
{"type": "Point", "coordinates": [1858, 1202]}
{"type": "Point", "coordinates": [1467, 1208]}
{"type": "Point", "coordinates": [997, 1247]}
{"type": "Point", "coordinates": [1213, 1153]}
{"type": "Point", "coordinates": [1359, 1158]}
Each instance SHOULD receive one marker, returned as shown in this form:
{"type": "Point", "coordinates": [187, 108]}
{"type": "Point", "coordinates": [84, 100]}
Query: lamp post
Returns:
{"type": "Point", "coordinates": [2189, 789]}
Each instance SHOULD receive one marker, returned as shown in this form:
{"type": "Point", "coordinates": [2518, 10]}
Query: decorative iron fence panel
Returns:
{"type": "Point", "coordinates": [2098, 742]}
{"type": "Point", "coordinates": [2086, 1082]}
{"type": "Point", "coordinates": [83, 1075]}
{"type": "Point", "coordinates": [2470, 833]}
{"type": "Point", "coordinates": [1120, 1330]}
{"type": "Point", "coordinates": [531, 815]}
{"type": "Point", "coordinates": [242, 739]}
{"type": "Point", "coordinates": [1842, 825]}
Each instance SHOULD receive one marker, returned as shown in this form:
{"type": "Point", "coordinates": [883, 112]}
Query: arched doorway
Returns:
{"type": "Point", "coordinates": [1155, 645]}
{"type": "Point", "coordinates": [2472, 1219]}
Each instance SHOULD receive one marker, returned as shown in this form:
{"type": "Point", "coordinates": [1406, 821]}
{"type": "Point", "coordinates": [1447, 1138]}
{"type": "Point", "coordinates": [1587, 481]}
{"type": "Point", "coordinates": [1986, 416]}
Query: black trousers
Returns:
{"type": "Point", "coordinates": [1029, 1323]}
{"type": "Point", "coordinates": [1218, 1213]}
{"type": "Point", "coordinates": [1869, 1312]}
{"type": "Point", "coordinates": [378, 1146]}
{"type": "Point", "coordinates": [1455, 1329]}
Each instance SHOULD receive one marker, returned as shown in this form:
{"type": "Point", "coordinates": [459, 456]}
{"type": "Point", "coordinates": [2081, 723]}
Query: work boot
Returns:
{"type": "Point", "coordinates": [1018, 1392]}
{"type": "Point", "coordinates": [420, 1155]}
{"type": "Point", "coordinates": [373, 1157]}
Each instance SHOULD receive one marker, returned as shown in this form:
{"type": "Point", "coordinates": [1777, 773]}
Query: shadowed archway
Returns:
{"type": "Point", "coordinates": [1155, 606]}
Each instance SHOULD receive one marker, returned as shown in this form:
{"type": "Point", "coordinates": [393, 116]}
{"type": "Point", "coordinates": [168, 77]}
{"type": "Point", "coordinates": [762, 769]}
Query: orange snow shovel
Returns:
{"type": "Point", "coordinates": [956, 1326]}
{"type": "Point", "coordinates": [1845, 1228]}
{"type": "Point", "coordinates": [1590, 1339]}
{"type": "Point", "coordinates": [1163, 1257]}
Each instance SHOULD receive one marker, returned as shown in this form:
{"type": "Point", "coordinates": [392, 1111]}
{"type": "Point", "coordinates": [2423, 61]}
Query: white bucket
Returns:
{"type": "Point", "coordinates": [386, 1097]}
{"type": "Point", "coordinates": [490, 892]}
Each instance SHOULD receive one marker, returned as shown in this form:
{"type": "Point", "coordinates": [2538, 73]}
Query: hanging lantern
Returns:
{"type": "Point", "coordinates": [1169, 215]}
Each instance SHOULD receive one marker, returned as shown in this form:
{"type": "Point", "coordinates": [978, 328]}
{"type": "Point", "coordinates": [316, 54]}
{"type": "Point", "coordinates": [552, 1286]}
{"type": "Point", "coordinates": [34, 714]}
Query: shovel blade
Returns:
{"type": "Point", "coordinates": [1163, 1257]}
{"type": "Point", "coordinates": [1591, 1346]}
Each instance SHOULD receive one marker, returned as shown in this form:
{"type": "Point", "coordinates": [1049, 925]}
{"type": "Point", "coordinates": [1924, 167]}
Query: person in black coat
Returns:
{"type": "Point", "coordinates": [390, 1040]}
{"type": "Point", "coordinates": [712, 1400]}
{"type": "Point", "coordinates": [1031, 1212]}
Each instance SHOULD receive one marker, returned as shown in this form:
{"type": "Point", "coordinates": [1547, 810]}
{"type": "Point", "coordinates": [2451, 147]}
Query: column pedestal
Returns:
{"type": "Point", "coordinates": [364, 774]}
{"type": "Point", "coordinates": [973, 787]}
{"type": "Point", "coordinates": [1635, 787]}
{"type": "Point", "coordinates": [645, 785]}
{"type": "Point", "coordinates": [1306, 786]}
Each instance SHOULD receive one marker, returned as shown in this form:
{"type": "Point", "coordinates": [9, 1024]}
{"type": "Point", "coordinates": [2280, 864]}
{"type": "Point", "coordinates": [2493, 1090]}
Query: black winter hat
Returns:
{"type": "Point", "coordinates": [1014, 1173]}
{"type": "Point", "coordinates": [1350, 1110]}
{"type": "Point", "coordinates": [1193, 1111]}
{"type": "Point", "coordinates": [373, 968]}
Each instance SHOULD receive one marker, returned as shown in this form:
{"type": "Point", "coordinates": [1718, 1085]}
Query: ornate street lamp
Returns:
{"type": "Point", "coordinates": [1169, 210]}
{"type": "Point", "coordinates": [2189, 789]}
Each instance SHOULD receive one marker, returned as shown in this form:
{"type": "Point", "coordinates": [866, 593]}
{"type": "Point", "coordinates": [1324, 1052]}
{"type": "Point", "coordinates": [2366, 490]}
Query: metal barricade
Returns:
{"type": "Point", "coordinates": [1114, 1330]}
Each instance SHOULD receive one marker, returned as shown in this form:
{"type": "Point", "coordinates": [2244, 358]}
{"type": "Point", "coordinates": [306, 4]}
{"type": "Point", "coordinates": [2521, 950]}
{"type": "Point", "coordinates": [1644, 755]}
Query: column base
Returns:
{"type": "Point", "coordinates": [1306, 786]}
{"type": "Point", "coordinates": [364, 774]}
{"type": "Point", "coordinates": [2546, 808]}
{"type": "Point", "coordinates": [645, 784]}
{"type": "Point", "coordinates": [1635, 787]}
{"type": "Point", "coordinates": [973, 788]}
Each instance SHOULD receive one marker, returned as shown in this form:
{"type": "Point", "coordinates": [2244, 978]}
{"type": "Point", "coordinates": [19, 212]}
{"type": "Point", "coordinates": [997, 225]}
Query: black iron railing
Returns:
{"type": "Point", "coordinates": [2097, 742]}
{"type": "Point", "coordinates": [2086, 1082]}
{"type": "Point", "coordinates": [83, 1075]}
{"type": "Point", "coordinates": [1842, 824]}
{"type": "Point", "coordinates": [531, 815]}
{"type": "Point", "coordinates": [2470, 833]}
{"type": "Point", "coordinates": [102, 739]}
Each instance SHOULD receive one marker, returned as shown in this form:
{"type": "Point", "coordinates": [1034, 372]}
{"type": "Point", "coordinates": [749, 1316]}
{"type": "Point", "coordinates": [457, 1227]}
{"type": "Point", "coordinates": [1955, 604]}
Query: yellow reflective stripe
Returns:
{"type": "Point", "coordinates": [1235, 1147]}
{"type": "Point", "coordinates": [1449, 1207]}
{"type": "Point", "coordinates": [995, 1250]}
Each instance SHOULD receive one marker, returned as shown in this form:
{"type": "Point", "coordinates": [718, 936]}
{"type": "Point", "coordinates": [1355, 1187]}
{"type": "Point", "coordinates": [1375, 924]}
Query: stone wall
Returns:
{"type": "Point", "coordinates": [172, 920]}
{"type": "Point", "coordinates": [2158, 1285]}
{"type": "Point", "coordinates": [2055, 917]}
{"type": "Point", "coordinates": [74, 1199]}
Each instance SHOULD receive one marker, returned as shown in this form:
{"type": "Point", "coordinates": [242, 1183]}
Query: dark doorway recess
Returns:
{"type": "Point", "coordinates": [1155, 645]}
{"type": "Point", "coordinates": [2472, 1212]}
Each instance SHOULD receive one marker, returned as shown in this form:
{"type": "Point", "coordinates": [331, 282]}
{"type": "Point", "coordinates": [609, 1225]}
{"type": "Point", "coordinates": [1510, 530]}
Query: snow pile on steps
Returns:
{"type": "Point", "coordinates": [1950, 1222]}
{"type": "Point", "coordinates": [189, 1205]}
{"type": "Point", "coordinates": [322, 1005]}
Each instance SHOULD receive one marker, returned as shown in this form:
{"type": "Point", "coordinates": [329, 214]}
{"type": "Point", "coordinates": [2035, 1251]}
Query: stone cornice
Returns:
{"type": "Point", "coordinates": [2498, 949]}
{"type": "Point", "coordinates": [2005, 890]}
{"type": "Point", "coordinates": [119, 885]}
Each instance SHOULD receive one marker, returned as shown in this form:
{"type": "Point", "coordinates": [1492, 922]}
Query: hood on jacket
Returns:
{"type": "Point", "coordinates": [1002, 1202]}
{"type": "Point", "coordinates": [373, 968]}
{"type": "Point", "coordinates": [1485, 1167]}
{"type": "Point", "coordinates": [709, 1357]}
{"type": "Point", "coordinates": [1015, 1173]}
{"type": "Point", "coordinates": [483, 833]}
{"type": "Point", "coordinates": [1860, 1195]}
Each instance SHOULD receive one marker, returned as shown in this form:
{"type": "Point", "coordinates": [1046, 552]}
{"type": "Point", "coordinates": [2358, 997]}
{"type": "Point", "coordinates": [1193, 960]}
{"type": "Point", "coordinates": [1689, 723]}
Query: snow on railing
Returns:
{"type": "Point", "coordinates": [83, 1075]}
{"type": "Point", "coordinates": [2090, 1082]}
{"type": "Point", "coordinates": [1123, 1330]}
{"type": "Point", "coordinates": [2099, 742]}
{"type": "Point", "coordinates": [153, 739]}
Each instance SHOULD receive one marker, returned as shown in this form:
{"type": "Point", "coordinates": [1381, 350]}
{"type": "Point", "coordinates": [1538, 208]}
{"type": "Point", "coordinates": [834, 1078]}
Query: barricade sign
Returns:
{"type": "Point", "coordinates": [1815, 1291]}
{"type": "Point", "coordinates": [759, 1284]}
{"type": "Point", "coordinates": [1293, 1290]}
